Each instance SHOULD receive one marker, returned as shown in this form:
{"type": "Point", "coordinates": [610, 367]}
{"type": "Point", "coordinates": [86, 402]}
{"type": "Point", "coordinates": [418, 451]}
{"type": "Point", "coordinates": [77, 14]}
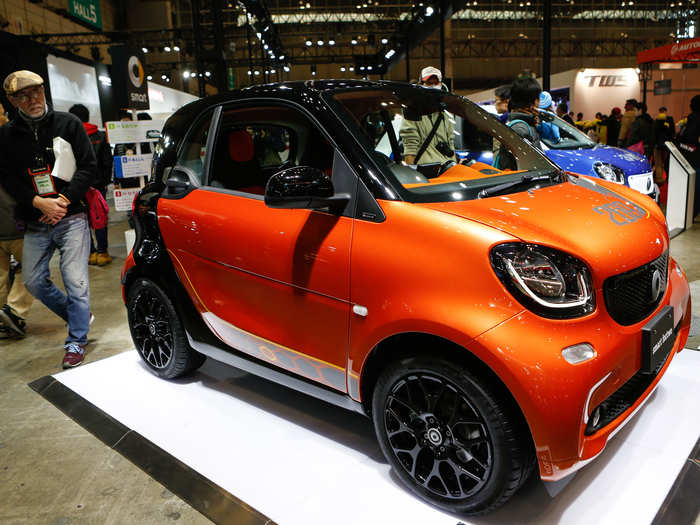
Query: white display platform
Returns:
{"type": "Point", "coordinates": [301, 461]}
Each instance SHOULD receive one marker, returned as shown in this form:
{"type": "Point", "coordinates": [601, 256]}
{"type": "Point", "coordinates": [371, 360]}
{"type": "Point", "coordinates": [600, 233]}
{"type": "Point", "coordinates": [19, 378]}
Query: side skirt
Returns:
{"type": "Point", "coordinates": [265, 371]}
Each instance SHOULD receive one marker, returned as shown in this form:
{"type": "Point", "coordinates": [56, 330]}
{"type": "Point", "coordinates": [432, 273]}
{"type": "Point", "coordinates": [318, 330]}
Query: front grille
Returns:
{"type": "Point", "coordinates": [629, 296]}
{"type": "Point", "coordinates": [625, 396]}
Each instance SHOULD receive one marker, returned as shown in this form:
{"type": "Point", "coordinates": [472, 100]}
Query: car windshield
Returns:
{"type": "Point", "coordinates": [557, 133]}
{"type": "Point", "coordinates": [382, 117]}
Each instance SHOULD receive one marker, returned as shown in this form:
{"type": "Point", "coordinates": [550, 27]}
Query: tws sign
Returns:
{"type": "Point", "coordinates": [87, 11]}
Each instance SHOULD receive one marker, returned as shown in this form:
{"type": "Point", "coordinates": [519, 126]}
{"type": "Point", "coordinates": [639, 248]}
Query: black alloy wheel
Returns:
{"type": "Point", "coordinates": [157, 331]}
{"type": "Point", "coordinates": [438, 436]}
{"type": "Point", "coordinates": [450, 439]}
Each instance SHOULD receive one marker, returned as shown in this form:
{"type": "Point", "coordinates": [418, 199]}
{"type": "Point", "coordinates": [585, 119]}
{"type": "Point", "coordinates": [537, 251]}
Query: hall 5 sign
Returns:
{"type": "Point", "coordinates": [606, 81]}
{"type": "Point", "coordinates": [86, 11]}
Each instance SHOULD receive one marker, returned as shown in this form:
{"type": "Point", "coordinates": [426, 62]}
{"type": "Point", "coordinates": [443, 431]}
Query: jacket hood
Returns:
{"type": "Point", "coordinates": [612, 232]}
{"type": "Point", "coordinates": [91, 129]}
{"type": "Point", "coordinates": [582, 160]}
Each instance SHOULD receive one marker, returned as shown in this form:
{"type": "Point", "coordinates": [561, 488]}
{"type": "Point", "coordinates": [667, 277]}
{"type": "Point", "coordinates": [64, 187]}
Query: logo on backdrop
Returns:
{"type": "Point", "coordinates": [129, 83]}
{"type": "Point", "coordinates": [135, 70]}
{"type": "Point", "coordinates": [606, 81]}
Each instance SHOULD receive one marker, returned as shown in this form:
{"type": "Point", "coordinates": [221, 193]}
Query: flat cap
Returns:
{"type": "Point", "coordinates": [19, 80]}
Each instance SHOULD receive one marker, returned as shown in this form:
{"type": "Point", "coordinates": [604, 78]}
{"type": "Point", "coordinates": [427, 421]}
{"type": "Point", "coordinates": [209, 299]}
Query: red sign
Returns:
{"type": "Point", "coordinates": [683, 51]}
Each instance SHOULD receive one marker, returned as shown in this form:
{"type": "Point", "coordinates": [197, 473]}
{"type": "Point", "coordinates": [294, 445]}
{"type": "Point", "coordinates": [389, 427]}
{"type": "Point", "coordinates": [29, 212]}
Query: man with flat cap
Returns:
{"type": "Point", "coordinates": [47, 166]}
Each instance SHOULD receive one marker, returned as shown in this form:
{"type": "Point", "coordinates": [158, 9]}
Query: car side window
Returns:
{"type": "Point", "coordinates": [254, 143]}
{"type": "Point", "coordinates": [194, 149]}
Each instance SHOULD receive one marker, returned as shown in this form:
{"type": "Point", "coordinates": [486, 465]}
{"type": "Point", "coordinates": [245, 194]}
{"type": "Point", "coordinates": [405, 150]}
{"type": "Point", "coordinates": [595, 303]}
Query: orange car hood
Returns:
{"type": "Point", "coordinates": [608, 228]}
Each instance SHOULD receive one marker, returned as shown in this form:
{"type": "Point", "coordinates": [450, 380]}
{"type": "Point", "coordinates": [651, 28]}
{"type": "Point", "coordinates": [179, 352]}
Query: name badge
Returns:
{"type": "Point", "coordinates": [43, 181]}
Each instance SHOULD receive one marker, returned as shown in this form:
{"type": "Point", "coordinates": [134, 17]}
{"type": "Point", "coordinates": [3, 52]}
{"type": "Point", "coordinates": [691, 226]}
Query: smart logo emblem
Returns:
{"type": "Point", "coordinates": [655, 285]}
{"type": "Point", "coordinates": [135, 70]}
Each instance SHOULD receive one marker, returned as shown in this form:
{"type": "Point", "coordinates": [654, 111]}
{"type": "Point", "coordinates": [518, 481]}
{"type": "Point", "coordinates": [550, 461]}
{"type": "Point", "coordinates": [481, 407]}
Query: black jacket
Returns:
{"type": "Point", "coordinates": [20, 143]}
{"type": "Point", "coordinates": [642, 130]}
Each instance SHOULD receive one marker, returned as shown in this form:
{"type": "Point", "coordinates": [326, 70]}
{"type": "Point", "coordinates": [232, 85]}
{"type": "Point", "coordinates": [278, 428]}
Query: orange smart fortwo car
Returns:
{"type": "Point", "coordinates": [487, 321]}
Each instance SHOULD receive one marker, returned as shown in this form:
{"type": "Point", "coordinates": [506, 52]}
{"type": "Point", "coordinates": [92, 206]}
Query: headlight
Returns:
{"type": "Point", "coordinates": [548, 282]}
{"type": "Point", "coordinates": [609, 172]}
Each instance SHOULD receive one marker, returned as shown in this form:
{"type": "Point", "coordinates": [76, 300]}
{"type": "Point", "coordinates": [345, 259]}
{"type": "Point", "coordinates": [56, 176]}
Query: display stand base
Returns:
{"type": "Point", "coordinates": [243, 450]}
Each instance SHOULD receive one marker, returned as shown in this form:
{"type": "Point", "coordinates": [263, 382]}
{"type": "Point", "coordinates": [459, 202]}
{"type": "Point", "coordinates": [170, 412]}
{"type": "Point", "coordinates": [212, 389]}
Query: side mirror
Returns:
{"type": "Point", "coordinates": [178, 182]}
{"type": "Point", "coordinates": [302, 187]}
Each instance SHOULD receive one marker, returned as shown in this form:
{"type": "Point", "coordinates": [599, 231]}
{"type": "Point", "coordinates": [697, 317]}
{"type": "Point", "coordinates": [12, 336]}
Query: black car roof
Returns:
{"type": "Point", "coordinates": [290, 90]}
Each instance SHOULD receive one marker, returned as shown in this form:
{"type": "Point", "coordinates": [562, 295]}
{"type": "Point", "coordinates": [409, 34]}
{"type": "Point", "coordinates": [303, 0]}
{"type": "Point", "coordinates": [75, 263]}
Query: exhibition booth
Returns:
{"type": "Point", "coordinates": [588, 90]}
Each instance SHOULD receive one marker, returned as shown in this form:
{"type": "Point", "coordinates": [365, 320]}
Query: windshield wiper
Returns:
{"type": "Point", "coordinates": [525, 178]}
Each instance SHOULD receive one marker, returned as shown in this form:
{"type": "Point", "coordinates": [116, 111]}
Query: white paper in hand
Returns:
{"type": "Point", "coordinates": [65, 160]}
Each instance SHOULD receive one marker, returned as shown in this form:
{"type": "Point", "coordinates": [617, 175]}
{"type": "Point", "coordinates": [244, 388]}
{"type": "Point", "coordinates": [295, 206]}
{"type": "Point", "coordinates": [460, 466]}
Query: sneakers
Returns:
{"type": "Point", "coordinates": [103, 259]}
{"type": "Point", "coordinates": [6, 333]}
{"type": "Point", "coordinates": [92, 260]}
{"type": "Point", "coordinates": [12, 321]}
{"type": "Point", "coordinates": [75, 354]}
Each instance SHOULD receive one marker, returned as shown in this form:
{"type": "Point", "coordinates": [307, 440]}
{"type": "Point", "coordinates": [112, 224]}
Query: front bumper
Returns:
{"type": "Point", "coordinates": [556, 397]}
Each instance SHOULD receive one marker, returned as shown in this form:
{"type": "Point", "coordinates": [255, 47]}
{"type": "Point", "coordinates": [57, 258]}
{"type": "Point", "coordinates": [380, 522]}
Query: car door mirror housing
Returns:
{"type": "Point", "coordinates": [302, 187]}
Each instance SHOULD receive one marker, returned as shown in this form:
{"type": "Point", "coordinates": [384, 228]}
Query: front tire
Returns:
{"type": "Point", "coordinates": [158, 333]}
{"type": "Point", "coordinates": [451, 437]}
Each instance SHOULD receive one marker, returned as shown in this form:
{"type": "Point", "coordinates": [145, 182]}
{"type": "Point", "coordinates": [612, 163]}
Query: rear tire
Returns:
{"type": "Point", "coordinates": [452, 438]}
{"type": "Point", "coordinates": [158, 333]}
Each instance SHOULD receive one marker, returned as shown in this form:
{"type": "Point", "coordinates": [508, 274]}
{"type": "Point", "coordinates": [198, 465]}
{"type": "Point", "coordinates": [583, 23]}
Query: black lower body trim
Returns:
{"type": "Point", "coordinates": [209, 499]}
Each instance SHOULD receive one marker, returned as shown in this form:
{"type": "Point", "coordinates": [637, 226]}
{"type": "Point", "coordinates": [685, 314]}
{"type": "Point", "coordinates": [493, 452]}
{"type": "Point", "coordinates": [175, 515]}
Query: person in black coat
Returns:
{"type": "Point", "coordinates": [642, 130]}
{"type": "Point", "coordinates": [689, 143]}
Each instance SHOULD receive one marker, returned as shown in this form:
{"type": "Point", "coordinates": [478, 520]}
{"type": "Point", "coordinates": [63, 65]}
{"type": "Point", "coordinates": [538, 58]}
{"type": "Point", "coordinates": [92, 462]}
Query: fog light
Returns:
{"type": "Point", "coordinates": [578, 353]}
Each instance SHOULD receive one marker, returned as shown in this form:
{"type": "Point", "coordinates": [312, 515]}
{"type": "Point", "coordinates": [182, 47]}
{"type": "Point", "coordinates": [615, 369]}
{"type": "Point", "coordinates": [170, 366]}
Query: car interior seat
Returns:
{"type": "Point", "coordinates": [236, 167]}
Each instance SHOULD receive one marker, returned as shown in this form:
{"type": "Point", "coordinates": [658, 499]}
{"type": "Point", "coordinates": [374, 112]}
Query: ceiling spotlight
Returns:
{"type": "Point", "coordinates": [429, 11]}
{"type": "Point", "coordinates": [362, 68]}
{"type": "Point", "coordinates": [186, 74]}
{"type": "Point", "coordinates": [342, 68]}
{"type": "Point", "coordinates": [166, 49]}
{"type": "Point", "coordinates": [281, 57]}
{"type": "Point", "coordinates": [369, 68]}
{"type": "Point", "coordinates": [353, 42]}
{"type": "Point", "coordinates": [351, 68]}
{"type": "Point", "coordinates": [286, 68]}
{"type": "Point", "coordinates": [163, 77]}
{"type": "Point", "coordinates": [176, 49]}
{"type": "Point", "coordinates": [308, 5]}
{"type": "Point", "coordinates": [257, 72]}
{"type": "Point", "coordinates": [308, 43]}
{"type": "Point", "coordinates": [144, 49]}
{"type": "Point", "coordinates": [149, 77]}
{"type": "Point", "coordinates": [273, 71]}
{"type": "Point", "coordinates": [265, 47]}
{"type": "Point", "coordinates": [385, 40]}
{"type": "Point", "coordinates": [320, 42]}
{"type": "Point", "coordinates": [250, 72]}
{"type": "Point", "coordinates": [207, 73]}
{"type": "Point", "coordinates": [390, 54]}
{"type": "Point", "coordinates": [331, 42]}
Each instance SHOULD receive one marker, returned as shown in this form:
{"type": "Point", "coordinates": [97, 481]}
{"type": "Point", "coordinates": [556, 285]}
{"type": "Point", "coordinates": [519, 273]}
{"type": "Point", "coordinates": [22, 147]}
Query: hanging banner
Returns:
{"type": "Point", "coordinates": [132, 131]}
{"type": "Point", "coordinates": [129, 83]}
{"type": "Point", "coordinates": [128, 166]}
{"type": "Point", "coordinates": [86, 11]}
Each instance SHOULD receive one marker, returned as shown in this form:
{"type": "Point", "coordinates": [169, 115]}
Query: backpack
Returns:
{"type": "Point", "coordinates": [504, 159]}
{"type": "Point", "coordinates": [98, 210]}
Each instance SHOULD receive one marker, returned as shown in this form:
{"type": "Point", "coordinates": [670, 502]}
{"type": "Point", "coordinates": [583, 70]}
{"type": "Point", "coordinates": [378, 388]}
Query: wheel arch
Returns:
{"type": "Point", "coordinates": [406, 344]}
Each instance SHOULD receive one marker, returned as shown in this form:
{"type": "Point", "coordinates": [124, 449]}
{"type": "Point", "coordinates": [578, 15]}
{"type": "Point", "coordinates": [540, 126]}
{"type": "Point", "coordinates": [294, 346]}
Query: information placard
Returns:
{"type": "Point", "coordinates": [130, 131]}
{"type": "Point", "coordinates": [127, 166]}
{"type": "Point", "coordinates": [124, 198]}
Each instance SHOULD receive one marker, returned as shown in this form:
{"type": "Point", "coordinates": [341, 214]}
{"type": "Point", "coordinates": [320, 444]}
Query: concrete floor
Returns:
{"type": "Point", "coordinates": [55, 473]}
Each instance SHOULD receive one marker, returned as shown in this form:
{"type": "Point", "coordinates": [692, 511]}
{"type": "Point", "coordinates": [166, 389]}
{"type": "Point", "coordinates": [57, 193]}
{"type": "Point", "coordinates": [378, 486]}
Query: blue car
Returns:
{"type": "Point", "coordinates": [577, 153]}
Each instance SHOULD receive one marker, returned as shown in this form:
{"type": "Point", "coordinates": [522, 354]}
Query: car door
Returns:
{"type": "Point", "coordinates": [273, 283]}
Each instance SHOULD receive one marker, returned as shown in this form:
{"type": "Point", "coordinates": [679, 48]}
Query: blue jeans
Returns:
{"type": "Point", "coordinates": [71, 236]}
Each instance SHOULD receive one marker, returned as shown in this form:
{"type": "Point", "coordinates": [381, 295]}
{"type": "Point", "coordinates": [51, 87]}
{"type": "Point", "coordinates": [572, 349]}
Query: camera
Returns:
{"type": "Point", "coordinates": [444, 148]}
